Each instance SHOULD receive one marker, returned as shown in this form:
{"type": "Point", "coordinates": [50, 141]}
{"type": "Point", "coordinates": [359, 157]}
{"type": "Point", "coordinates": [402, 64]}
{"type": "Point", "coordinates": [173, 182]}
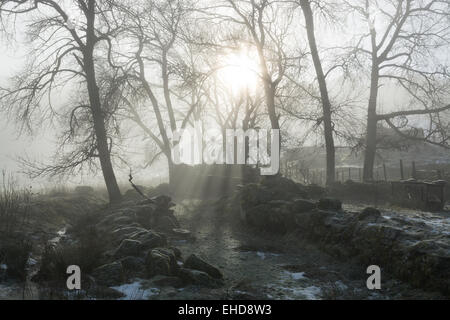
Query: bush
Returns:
{"type": "Point", "coordinates": [87, 253]}
{"type": "Point", "coordinates": [14, 253]}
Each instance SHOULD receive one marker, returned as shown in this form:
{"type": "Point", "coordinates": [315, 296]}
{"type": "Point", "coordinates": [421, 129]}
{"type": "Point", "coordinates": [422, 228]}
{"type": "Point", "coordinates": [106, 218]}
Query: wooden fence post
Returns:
{"type": "Point", "coordinates": [402, 176]}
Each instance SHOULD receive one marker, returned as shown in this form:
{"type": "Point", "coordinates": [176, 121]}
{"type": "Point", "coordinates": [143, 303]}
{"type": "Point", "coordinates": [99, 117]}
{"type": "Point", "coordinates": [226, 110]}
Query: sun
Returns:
{"type": "Point", "coordinates": [239, 71]}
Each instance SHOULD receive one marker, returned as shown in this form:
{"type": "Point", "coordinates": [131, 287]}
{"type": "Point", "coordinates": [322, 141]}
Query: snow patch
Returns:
{"type": "Point", "coordinates": [31, 261]}
{"type": "Point", "coordinates": [296, 275]}
{"type": "Point", "coordinates": [133, 291]}
{"type": "Point", "coordinates": [264, 255]}
{"type": "Point", "coordinates": [340, 285]}
{"type": "Point", "coordinates": [308, 293]}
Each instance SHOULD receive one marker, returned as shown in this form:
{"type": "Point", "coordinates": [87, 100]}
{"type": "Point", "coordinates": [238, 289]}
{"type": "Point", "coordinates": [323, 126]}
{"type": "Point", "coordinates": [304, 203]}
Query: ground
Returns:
{"type": "Point", "coordinates": [264, 266]}
{"type": "Point", "coordinates": [258, 265]}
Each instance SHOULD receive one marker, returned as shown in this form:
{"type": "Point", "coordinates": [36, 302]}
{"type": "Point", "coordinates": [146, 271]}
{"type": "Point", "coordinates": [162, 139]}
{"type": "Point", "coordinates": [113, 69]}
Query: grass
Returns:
{"type": "Point", "coordinates": [86, 252]}
{"type": "Point", "coordinates": [15, 247]}
{"type": "Point", "coordinates": [14, 205]}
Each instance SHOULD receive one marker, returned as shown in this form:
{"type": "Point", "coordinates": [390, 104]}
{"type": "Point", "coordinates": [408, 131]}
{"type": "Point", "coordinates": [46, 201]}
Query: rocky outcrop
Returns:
{"type": "Point", "coordinates": [411, 250]}
{"type": "Point", "coordinates": [200, 278]}
{"type": "Point", "coordinates": [134, 240]}
{"type": "Point", "coordinates": [194, 262]}
{"type": "Point", "coordinates": [109, 274]}
{"type": "Point", "coordinates": [128, 247]}
{"type": "Point", "coordinates": [161, 261]}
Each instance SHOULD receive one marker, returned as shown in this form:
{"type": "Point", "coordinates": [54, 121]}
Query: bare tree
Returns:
{"type": "Point", "coordinates": [401, 48]}
{"type": "Point", "coordinates": [325, 99]}
{"type": "Point", "coordinates": [152, 29]}
{"type": "Point", "coordinates": [65, 52]}
{"type": "Point", "coordinates": [268, 34]}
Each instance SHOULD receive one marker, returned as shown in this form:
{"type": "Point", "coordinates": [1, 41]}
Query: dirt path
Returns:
{"type": "Point", "coordinates": [267, 267]}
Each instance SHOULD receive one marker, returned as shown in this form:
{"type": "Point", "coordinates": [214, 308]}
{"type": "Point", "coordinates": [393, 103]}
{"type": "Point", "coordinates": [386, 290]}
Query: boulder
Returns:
{"type": "Point", "coordinates": [146, 215]}
{"type": "Point", "coordinates": [122, 220]}
{"type": "Point", "coordinates": [163, 202]}
{"type": "Point", "coordinates": [194, 262]}
{"type": "Point", "coordinates": [254, 194]}
{"type": "Point", "coordinates": [370, 215]}
{"type": "Point", "coordinates": [282, 188]}
{"type": "Point", "coordinates": [149, 239]}
{"type": "Point", "coordinates": [302, 205]}
{"type": "Point", "coordinates": [109, 274]}
{"type": "Point", "coordinates": [133, 265]}
{"type": "Point", "coordinates": [330, 204]}
{"type": "Point", "coordinates": [199, 278]}
{"type": "Point", "coordinates": [265, 217]}
{"type": "Point", "coordinates": [123, 233]}
{"type": "Point", "coordinates": [167, 223]}
{"type": "Point", "coordinates": [128, 247]}
{"type": "Point", "coordinates": [181, 234]}
{"type": "Point", "coordinates": [167, 281]}
{"type": "Point", "coordinates": [161, 261]}
{"type": "Point", "coordinates": [315, 191]}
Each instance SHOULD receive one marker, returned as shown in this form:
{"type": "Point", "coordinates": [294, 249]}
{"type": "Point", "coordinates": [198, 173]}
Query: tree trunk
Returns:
{"type": "Point", "coordinates": [96, 108]}
{"type": "Point", "coordinates": [270, 97]}
{"type": "Point", "coordinates": [372, 120]}
{"type": "Point", "coordinates": [173, 176]}
{"type": "Point", "coordinates": [100, 130]}
{"type": "Point", "coordinates": [326, 104]}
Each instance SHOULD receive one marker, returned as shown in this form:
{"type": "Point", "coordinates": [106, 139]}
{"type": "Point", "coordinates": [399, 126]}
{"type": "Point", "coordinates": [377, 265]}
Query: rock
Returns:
{"type": "Point", "coordinates": [167, 281]}
{"type": "Point", "coordinates": [181, 234]}
{"type": "Point", "coordinates": [302, 205]}
{"type": "Point", "coordinates": [128, 247]}
{"type": "Point", "coordinates": [200, 278]}
{"type": "Point", "coordinates": [122, 220]}
{"type": "Point", "coordinates": [134, 265]}
{"type": "Point", "coordinates": [194, 262]}
{"type": "Point", "coordinates": [315, 191]}
{"type": "Point", "coordinates": [370, 214]}
{"type": "Point", "coordinates": [253, 195]}
{"type": "Point", "coordinates": [146, 202]}
{"type": "Point", "coordinates": [265, 217]}
{"type": "Point", "coordinates": [167, 223]}
{"type": "Point", "coordinates": [330, 204]}
{"type": "Point", "coordinates": [177, 252]}
{"type": "Point", "coordinates": [282, 188]}
{"type": "Point", "coordinates": [161, 261]}
{"type": "Point", "coordinates": [149, 239]}
{"type": "Point", "coordinates": [109, 274]}
{"type": "Point", "coordinates": [132, 194]}
{"type": "Point", "coordinates": [123, 233]}
{"type": "Point", "coordinates": [164, 202]}
{"type": "Point", "coordinates": [147, 215]}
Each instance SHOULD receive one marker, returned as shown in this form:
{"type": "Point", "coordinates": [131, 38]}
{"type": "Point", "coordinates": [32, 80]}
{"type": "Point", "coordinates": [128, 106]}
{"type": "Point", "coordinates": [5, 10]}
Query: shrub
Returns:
{"type": "Point", "coordinates": [87, 252]}
{"type": "Point", "coordinates": [14, 253]}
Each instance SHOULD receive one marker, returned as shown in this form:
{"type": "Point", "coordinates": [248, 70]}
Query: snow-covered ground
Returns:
{"type": "Point", "coordinates": [135, 291]}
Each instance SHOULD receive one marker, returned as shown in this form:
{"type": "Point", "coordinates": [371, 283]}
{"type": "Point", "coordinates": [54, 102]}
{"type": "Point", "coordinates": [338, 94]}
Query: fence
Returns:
{"type": "Point", "coordinates": [404, 171]}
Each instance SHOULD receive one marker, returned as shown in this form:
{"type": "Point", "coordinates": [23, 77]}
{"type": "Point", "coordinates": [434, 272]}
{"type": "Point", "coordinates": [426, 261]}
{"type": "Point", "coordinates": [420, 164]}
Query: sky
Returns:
{"type": "Point", "coordinates": [12, 57]}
